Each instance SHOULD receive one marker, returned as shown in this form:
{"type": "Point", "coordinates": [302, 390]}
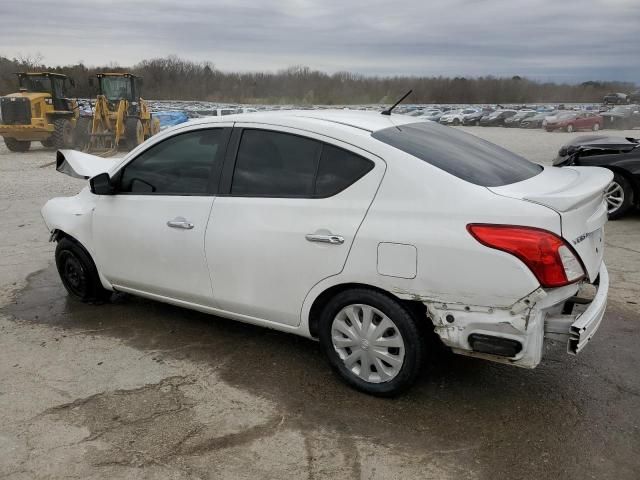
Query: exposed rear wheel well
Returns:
{"type": "Point", "coordinates": [414, 307]}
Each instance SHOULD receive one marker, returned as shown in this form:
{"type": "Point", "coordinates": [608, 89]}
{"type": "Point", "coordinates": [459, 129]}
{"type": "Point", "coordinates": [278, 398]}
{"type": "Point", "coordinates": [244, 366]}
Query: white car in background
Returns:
{"type": "Point", "coordinates": [455, 117]}
{"type": "Point", "coordinates": [368, 232]}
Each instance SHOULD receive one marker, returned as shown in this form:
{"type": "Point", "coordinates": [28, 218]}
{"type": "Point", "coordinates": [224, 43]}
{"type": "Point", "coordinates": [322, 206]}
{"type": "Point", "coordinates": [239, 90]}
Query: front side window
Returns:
{"type": "Point", "coordinates": [275, 164]}
{"type": "Point", "coordinates": [460, 154]}
{"type": "Point", "coordinates": [181, 165]}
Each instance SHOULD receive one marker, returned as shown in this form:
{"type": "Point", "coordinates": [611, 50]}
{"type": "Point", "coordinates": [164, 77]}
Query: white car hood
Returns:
{"type": "Point", "coordinates": [81, 165]}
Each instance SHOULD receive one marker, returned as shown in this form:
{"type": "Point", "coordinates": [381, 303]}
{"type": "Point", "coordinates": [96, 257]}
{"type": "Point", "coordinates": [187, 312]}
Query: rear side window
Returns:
{"type": "Point", "coordinates": [276, 164]}
{"type": "Point", "coordinates": [339, 169]}
{"type": "Point", "coordinates": [460, 154]}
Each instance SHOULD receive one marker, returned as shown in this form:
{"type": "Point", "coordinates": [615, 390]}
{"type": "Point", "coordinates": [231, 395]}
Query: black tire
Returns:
{"type": "Point", "coordinates": [456, 122]}
{"type": "Point", "coordinates": [17, 145]}
{"type": "Point", "coordinates": [78, 272]}
{"type": "Point", "coordinates": [83, 132]}
{"type": "Point", "coordinates": [48, 143]}
{"type": "Point", "coordinates": [63, 133]}
{"type": "Point", "coordinates": [570, 128]}
{"type": "Point", "coordinates": [627, 199]}
{"type": "Point", "coordinates": [134, 132]}
{"type": "Point", "coordinates": [403, 320]}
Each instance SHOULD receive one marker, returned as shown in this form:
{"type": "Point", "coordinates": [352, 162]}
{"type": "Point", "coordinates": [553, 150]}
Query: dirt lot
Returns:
{"type": "Point", "coordinates": [136, 389]}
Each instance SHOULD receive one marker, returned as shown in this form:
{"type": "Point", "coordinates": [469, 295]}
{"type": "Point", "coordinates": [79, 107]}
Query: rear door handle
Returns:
{"type": "Point", "coordinates": [180, 222]}
{"type": "Point", "coordinates": [333, 239]}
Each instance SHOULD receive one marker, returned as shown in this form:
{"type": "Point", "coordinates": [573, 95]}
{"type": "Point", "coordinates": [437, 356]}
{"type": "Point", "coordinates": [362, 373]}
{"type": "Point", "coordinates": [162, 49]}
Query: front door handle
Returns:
{"type": "Point", "coordinates": [333, 239]}
{"type": "Point", "coordinates": [180, 222]}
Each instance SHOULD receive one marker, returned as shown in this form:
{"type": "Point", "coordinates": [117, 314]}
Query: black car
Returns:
{"type": "Point", "coordinates": [514, 121]}
{"type": "Point", "coordinates": [622, 117]}
{"type": "Point", "coordinates": [496, 118]}
{"type": "Point", "coordinates": [537, 120]}
{"type": "Point", "coordinates": [621, 155]}
{"type": "Point", "coordinates": [615, 99]}
{"type": "Point", "coordinates": [474, 118]}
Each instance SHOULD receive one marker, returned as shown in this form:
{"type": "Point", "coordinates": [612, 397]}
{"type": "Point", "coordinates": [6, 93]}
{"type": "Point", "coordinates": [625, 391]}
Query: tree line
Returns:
{"type": "Point", "coordinates": [173, 78]}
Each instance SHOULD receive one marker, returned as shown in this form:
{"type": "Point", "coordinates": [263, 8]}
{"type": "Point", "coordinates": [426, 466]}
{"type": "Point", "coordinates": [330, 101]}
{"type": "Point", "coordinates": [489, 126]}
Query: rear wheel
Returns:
{"type": "Point", "coordinates": [570, 128]}
{"type": "Point", "coordinates": [456, 122]}
{"type": "Point", "coordinates": [134, 132]}
{"type": "Point", "coordinates": [62, 134]}
{"type": "Point", "coordinates": [17, 145]}
{"type": "Point", "coordinates": [596, 127]}
{"type": "Point", "coordinates": [78, 272]}
{"type": "Point", "coordinates": [372, 341]}
{"type": "Point", "coordinates": [48, 143]}
{"type": "Point", "coordinates": [619, 196]}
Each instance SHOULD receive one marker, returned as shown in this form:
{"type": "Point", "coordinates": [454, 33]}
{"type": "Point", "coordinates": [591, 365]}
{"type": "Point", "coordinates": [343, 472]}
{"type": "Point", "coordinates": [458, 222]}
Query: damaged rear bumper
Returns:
{"type": "Point", "coordinates": [516, 335]}
{"type": "Point", "coordinates": [578, 324]}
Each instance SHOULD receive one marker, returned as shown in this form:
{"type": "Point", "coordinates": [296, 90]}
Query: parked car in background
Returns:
{"type": "Point", "coordinates": [572, 121]}
{"type": "Point", "coordinates": [497, 118]}
{"type": "Point", "coordinates": [618, 154]}
{"type": "Point", "coordinates": [635, 97]}
{"type": "Point", "coordinates": [615, 99]}
{"type": "Point", "coordinates": [515, 120]}
{"type": "Point", "coordinates": [474, 118]}
{"type": "Point", "coordinates": [431, 115]}
{"type": "Point", "coordinates": [455, 117]}
{"type": "Point", "coordinates": [622, 117]}
{"type": "Point", "coordinates": [270, 219]}
{"type": "Point", "coordinates": [537, 120]}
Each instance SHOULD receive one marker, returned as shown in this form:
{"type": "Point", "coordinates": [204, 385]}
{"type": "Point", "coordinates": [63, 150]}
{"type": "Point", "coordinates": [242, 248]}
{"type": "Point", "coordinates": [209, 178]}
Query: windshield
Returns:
{"type": "Point", "coordinates": [460, 154]}
{"type": "Point", "coordinates": [116, 88]}
{"type": "Point", "coordinates": [35, 83]}
{"type": "Point", "coordinates": [566, 115]}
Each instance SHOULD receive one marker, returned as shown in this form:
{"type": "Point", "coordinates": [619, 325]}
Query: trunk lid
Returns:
{"type": "Point", "coordinates": [577, 194]}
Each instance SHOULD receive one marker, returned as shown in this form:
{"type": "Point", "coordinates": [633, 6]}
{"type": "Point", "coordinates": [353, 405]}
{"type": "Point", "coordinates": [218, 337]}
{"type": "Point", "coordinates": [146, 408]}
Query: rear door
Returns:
{"type": "Point", "coordinates": [290, 205]}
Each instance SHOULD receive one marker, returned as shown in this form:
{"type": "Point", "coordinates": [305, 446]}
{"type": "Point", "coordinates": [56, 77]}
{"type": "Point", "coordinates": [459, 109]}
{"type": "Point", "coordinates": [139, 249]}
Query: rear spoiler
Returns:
{"type": "Point", "coordinates": [81, 165]}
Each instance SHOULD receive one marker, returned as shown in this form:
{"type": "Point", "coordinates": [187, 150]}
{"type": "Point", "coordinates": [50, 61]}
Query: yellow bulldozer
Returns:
{"type": "Point", "coordinates": [121, 118]}
{"type": "Point", "coordinates": [40, 111]}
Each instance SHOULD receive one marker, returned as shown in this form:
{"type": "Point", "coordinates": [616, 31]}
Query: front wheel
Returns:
{"type": "Point", "coordinates": [134, 132]}
{"type": "Point", "coordinates": [371, 341]}
{"type": "Point", "coordinates": [619, 196]}
{"type": "Point", "coordinates": [17, 145]}
{"type": "Point", "coordinates": [62, 133]}
{"type": "Point", "coordinates": [569, 128]}
{"type": "Point", "coordinates": [78, 272]}
{"type": "Point", "coordinates": [596, 127]}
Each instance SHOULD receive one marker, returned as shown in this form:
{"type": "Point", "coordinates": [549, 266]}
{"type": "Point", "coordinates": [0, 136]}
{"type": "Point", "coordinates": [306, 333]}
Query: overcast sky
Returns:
{"type": "Point", "coordinates": [561, 40]}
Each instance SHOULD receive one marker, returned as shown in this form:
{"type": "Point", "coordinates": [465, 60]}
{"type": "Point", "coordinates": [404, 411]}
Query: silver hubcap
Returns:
{"type": "Point", "coordinates": [614, 196]}
{"type": "Point", "coordinates": [368, 342]}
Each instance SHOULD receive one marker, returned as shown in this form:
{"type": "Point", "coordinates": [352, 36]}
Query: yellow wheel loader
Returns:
{"type": "Point", "coordinates": [120, 117]}
{"type": "Point", "coordinates": [39, 112]}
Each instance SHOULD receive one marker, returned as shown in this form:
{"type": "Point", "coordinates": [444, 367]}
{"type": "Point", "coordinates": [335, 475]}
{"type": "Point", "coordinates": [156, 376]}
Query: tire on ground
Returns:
{"type": "Point", "coordinates": [134, 132]}
{"type": "Point", "coordinates": [628, 200]}
{"type": "Point", "coordinates": [17, 145]}
{"type": "Point", "coordinates": [405, 322]}
{"type": "Point", "coordinates": [78, 272]}
{"type": "Point", "coordinates": [62, 133]}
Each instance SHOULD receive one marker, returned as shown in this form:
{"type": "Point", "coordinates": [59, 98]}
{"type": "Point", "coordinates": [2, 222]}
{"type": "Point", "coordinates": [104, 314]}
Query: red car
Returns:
{"type": "Point", "coordinates": [571, 121]}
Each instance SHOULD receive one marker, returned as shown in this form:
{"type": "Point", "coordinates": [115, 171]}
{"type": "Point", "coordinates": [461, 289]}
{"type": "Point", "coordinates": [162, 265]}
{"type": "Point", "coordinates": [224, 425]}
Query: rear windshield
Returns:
{"type": "Point", "coordinates": [461, 154]}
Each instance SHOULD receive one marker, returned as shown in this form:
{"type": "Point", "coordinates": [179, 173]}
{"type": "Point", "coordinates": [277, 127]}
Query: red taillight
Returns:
{"type": "Point", "coordinates": [548, 256]}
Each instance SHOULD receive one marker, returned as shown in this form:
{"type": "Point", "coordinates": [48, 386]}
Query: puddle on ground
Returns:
{"type": "Point", "coordinates": [509, 416]}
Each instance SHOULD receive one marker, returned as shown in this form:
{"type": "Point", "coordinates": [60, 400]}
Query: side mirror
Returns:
{"type": "Point", "coordinates": [101, 185]}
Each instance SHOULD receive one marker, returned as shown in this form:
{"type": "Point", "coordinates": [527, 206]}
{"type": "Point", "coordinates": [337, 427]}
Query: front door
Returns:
{"type": "Point", "coordinates": [149, 236]}
{"type": "Point", "coordinates": [287, 219]}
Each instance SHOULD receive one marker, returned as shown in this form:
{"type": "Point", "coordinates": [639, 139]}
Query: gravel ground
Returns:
{"type": "Point", "coordinates": [137, 389]}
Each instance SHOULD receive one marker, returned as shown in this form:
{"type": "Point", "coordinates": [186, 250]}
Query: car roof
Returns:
{"type": "Point", "coordinates": [370, 121]}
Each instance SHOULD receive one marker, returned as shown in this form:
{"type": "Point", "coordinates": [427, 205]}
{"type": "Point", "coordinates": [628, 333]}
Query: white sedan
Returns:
{"type": "Point", "coordinates": [370, 233]}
